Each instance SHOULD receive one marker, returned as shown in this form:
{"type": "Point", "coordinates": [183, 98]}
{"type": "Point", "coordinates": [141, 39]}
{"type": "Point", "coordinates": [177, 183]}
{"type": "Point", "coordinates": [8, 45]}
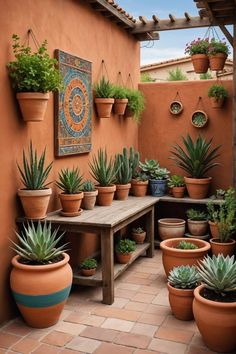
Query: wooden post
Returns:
{"type": "Point", "coordinates": [149, 226]}
{"type": "Point", "coordinates": [234, 107]}
{"type": "Point", "coordinates": [107, 254]}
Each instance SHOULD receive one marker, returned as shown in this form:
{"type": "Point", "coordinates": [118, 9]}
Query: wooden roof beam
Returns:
{"type": "Point", "coordinates": [152, 36]}
{"type": "Point", "coordinates": [227, 34]}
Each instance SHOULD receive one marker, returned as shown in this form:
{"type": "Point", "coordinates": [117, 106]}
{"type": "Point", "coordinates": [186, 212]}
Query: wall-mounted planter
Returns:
{"type": "Point", "coordinates": [199, 119]}
{"type": "Point", "coordinates": [120, 106]}
{"type": "Point", "coordinates": [104, 107]}
{"type": "Point", "coordinates": [33, 105]}
{"type": "Point", "coordinates": [216, 102]}
{"type": "Point", "coordinates": [176, 107]}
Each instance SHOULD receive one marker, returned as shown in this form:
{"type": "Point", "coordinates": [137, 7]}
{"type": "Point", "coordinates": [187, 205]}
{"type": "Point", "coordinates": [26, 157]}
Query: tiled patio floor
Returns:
{"type": "Point", "coordinates": [139, 321]}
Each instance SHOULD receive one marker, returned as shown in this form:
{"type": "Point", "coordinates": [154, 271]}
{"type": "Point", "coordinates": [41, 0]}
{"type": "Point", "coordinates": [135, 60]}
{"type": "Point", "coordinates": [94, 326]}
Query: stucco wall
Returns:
{"type": "Point", "coordinates": [74, 27]}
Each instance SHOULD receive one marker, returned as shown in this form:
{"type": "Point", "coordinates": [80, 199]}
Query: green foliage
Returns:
{"type": "Point", "coordinates": [197, 46]}
{"type": "Point", "coordinates": [140, 176]}
{"type": "Point", "coordinates": [125, 246]}
{"type": "Point", "coordinates": [196, 215]}
{"type": "Point", "coordinates": [185, 245]}
{"type": "Point", "coordinates": [104, 89]}
{"type": "Point", "coordinates": [134, 161]}
{"type": "Point", "coordinates": [218, 273]}
{"type": "Point", "coordinates": [176, 181]}
{"type": "Point", "coordinates": [136, 103]}
{"type": "Point", "coordinates": [176, 75]}
{"type": "Point", "coordinates": [218, 91]}
{"type": "Point", "coordinates": [220, 193]}
{"type": "Point", "coordinates": [33, 72]}
{"type": "Point", "coordinates": [197, 158]}
{"type": "Point", "coordinates": [34, 174]}
{"type": "Point", "coordinates": [199, 119]}
{"type": "Point", "coordinates": [153, 170]}
{"type": "Point", "coordinates": [103, 170]}
{"type": "Point", "coordinates": [138, 230]}
{"type": "Point", "coordinates": [70, 181]}
{"type": "Point", "coordinates": [227, 216]}
{"type": "Point", "coordinates": [124, 170]}
{"type": "Point", "coordinates": [213, 211]}
{"type": "Point", "coordinates": [146, 77]}
{"type": "Point", "coordinates": [119, 92]}
{"type": "Point", "coordinates": [38, 244]}
{"type": "Point", "coordinates": [205, 76]}
{"type": "Point", "coordinates": [184, 277]}
{"type": "Point", "coordinates": [88, 186]}
{"type": "Point", "coordinates": [218, 46]}
{"type": "Point", "coordinates": [89, 263]}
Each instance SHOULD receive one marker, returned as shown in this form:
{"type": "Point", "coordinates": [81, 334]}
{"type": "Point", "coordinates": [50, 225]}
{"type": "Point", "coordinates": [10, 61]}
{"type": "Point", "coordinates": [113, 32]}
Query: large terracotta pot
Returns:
{"type": "Point", "coordinates": [197, 187]}
{"type": "Point", "coordinates": [181, 302]}
{"type": "Point", "coordinates": [41, 291]}
{"type": "Point", "coordinates": [226, 248]}
{"type": "Point", "coordinates": [174, 257]}
{"type": "Point", "coordinates": [139, 188]}
{"type": "Point", "coordinates": [123, 258]}
{"type": "Point", "coordinates": [197, 228]}
{"type": "Point", "coordinates": [178, 192]}
{"type": "Point", "coordinates": [216, 102]}
{"type": "Point", "coordinates": [122, 191]}
{"type": "Point", "coordinates": [214, 229]}
{"type": "Point", "coordinates": [171, 228]}
{"type": "Point", "coordinates": [200, 63]}
{"type": "Point", "coordinates": [217, 61]}
{"type": "Point", "coordinates": [35, 202]}
{"type": "Point", "coordinates": [105, 195]}
{"type": "Point", "coordinates": [138, 237]}
{"type": "Point", "coordinates": [71, 203]}
{"type": "Point", "coordinates": [89, 200]}
{"type": "Point", "coordinates": [104, 107]}
{"type": "Point", "coordinates": [120, 106]}
{"type": "Point", "coordinates": [33, 105]}
{"type": "Point", "coordinates": [216, 322]}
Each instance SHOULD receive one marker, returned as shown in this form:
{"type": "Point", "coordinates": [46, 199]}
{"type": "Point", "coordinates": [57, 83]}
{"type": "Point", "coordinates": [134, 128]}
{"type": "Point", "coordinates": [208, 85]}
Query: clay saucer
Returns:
{"type": "Point", "coordinates": [203, 237]}
{"type": "Point", "coordinates": [76, 213]}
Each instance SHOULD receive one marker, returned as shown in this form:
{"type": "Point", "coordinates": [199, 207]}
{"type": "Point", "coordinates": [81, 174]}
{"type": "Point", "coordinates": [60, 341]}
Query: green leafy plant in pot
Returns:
{"type": "Point", "coordinates": [217, 94]}
{"type": "Point", "coordinates": [104, 91]}
{"type": "Point", "coordinates": [139, 181]}
{"type": "Point", "coordinates": [136, 104]}
{"type": "Point", "coordinates": [177, 186]}
{"type": "Point", "coordinates": [218, 51]}
{"type": "Point", "coordinates": [138, 234]}
{"type": "Point", "coordinates": [197, 222]}
{"type": "Point", "coordinates": [124, 249]}
{"type": "Point", "coordinates": [123, 176]}
{"type": "Point", "coordinates": [198, 50]}
{"type": "Point", "coordinates": [88, 267]}
{"type": "Point", "coordinates": [157, 175]}
{"type": "Point", "coordinates": [121, 101]}
{"type": "Point", "coordinates": [90, 195]}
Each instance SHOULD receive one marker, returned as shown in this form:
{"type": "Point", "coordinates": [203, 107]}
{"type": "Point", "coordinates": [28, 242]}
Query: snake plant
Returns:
{"type": "Point", "coordinates": [70, 181]}
{"type": "Point", "coordinates": [184, 277]}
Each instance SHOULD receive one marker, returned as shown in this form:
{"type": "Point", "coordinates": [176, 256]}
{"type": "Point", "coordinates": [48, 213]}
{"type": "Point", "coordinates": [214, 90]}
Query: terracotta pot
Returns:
{"type": "Point", "coordinates": [122, 191]}
{"type": "Point", "coordinates": [216, 102]}
{"type": "Point", "coordinates": [139, 188]}
{"type": "Point", "coordinates": [120, 106]}
{"type": "Point", "coordinates": [88, 272]}
{"type": "Point", "coordinates": [178, 105]}
{"type": "Point", "coordinates": [71, 203]}
{"type": "Point", "coordinates": [226, 248]}
{"type": "Point", "coordinates": [216, 322]}
{"type": "Point", "coordinates": [217, 61]}
{"type": "Point", "coordinates": [197, 228]}
{"type": "Point", "coordinates": [35, 202]}
{"type": "Point", "coordinates": [123, 258]}
{"type": "Point", "coordinates": [105, 195]}
{"type": "Point", "coordinates": [89, 200]}
{"type": "Point", "coordinates": [181, 302]}
{"type": "Point", "coordinates": [214, 229]}
{"type": "Point", "coordinates": [41, 291]}
{"type": "Point", "coordinates": [171, 228]}
{"type": "Point", "coordinates": [200, 63]}
{"type": "Point", "coordinates": [178, 192]}
{"type": "Point", "coordinates": [197, 187]}
{"type": "Point", "coordinates": [174, 257]}
{"type": "Point", "coordinates": [33, 105]}
{"type": "Point", "coordinates": [138, 237]}
{"type": "Point", "coordinates": [203, 122]}
{"type": "Point", "coordinates": [104, 107]}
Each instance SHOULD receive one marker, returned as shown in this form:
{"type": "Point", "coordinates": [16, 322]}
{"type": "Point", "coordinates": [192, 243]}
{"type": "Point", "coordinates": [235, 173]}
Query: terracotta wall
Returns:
{"type": "Point", "coordinates": [160, 129]}
{"type": "Point", "coordinates": [74, 27]}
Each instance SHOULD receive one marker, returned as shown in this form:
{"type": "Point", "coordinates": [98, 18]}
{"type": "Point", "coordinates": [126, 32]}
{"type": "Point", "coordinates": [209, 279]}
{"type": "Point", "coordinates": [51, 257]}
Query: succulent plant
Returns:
{"type": "Point", "coordinates": [196, 215]}
{"type": "Point", "coordinates": [124, 171]}
{"type": "Point", "coordinates": [176, 181]}
{"type": "Point", "coordinates": [70, 181]}
{"type": "Point", "coordinates": [88, 186]}
{"type": "Point", "coordinates": [184, 277]}
{"type": "Point", "coordinates": [138, 230]}
{"type": "Point", "coordinates": [37, 244]}
{"type": "Point", "coordinates": [125, 246]}
{"type": "Point", "coordinates": [153, 169]}
{"type": "Point", "coordinates": [89, 263]}
{"type": "Point", "coordinates": [103, 170]}
{"type": "Point", "coordinates": [185, 245]}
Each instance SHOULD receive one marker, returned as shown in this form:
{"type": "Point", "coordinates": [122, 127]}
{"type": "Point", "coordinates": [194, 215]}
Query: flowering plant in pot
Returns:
{"type": "Point", "coordinates": [196, 158]}
{"type": "Point", "coordinates": [124, 249]}
{"type": "Point", "coordinates": [104, 91]}
{"type": "Point", "coordinates": [218, 51]}
{"type": "Point", "coordinates": [217, 94]}
{"type": "Point", "coordinates": [33, 76]}
{"type": "Point", "coordinates": [138, 234]}
{"type": "Point", "coordinates": [197, 222]}
{"type": "Point", "coordinates": [198, 50]}
{"type": "Point", "coordinates": [123, 176]}
{"type": "Point", "coordinates": [88, 267]}
{"type": "Point", "coordinates": [36, 194]}
{"type": "Point", "coordinates": [182, 281]}
{"type": "Point", "coordinates": [90, 195]}
{"type": "Point", "coordinates": [215, 300]}
{"type": "Point", "coordinates": [121, 101]}
{"type": "Point", "coordinates": [177, 185]}
{"type": "Point", "coordinates": [41, 277]}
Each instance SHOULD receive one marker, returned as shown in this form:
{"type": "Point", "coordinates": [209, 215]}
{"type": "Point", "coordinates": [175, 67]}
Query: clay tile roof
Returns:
{"type": "Point", "coordinates": [121, 10]}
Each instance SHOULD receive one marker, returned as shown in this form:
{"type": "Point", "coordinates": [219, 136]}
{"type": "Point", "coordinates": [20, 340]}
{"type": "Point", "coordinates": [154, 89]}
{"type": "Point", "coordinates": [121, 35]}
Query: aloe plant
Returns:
{"type": "Point", "coordinates": [103, 89]}
{"type": "Point", "coordinates": [124, 171]}
{"type": "Point", "coordinates": [184, 277]}
{"type": "Point", "coordinates": [34, 174]}
{"type": "Point", "coordinates": [70, 181]}
{"type": "Point", "coordinates": [103, 170]}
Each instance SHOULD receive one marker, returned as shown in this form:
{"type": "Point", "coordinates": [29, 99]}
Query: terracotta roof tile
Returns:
{"type": "Point", "coordinates": [121, 10]}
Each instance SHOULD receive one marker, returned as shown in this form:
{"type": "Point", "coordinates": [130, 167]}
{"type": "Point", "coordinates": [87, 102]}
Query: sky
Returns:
{"type": "Point", "coordinates": [172, 43]}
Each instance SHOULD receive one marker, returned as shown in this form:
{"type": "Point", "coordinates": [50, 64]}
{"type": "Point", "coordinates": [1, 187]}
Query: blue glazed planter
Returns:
{"type": "Point", "coordinates": [157, 187]}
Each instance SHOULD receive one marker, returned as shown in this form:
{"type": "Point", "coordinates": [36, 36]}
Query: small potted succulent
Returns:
{"type": "Point", "coordinates": [90, 195]}
{"type": "Point", "coordinates": [138, 235]}
{"type": "Point", "coordinates": [213, 218]}
{"type": "Point", "coordinates": [182, 281]}
{"type": "Point", "coordinates": [197, 222]}
{"type": "Point", "coordinates": [121, 101]}
{"type": "Point", "coordinates": [123, 176]}
{"type": "Point", "coordinates": [104, 100]}
{"type": "Point", "coordinates": [136, 104]}
{"type": "Point", "coordinates": [70, 182]}
{"type": "Point", "coordinates": [139, 181]}
{"type": "Point", "coordinates": [199, 119]}
{"type": "Point", "coordinates": [124, 249]}
{"type": "Point", "coordinates": [217, 52]}
{"type": "Point", "coordinates": [198, 50]}
{"type": "Point", "coordinates": [176, 107]}
{"type": "Point", "coordinates": [177, 185]}
{"type": "Point", "coordinates": [217, 94]}
{"type": "Point", "coordinates": [88, 267]}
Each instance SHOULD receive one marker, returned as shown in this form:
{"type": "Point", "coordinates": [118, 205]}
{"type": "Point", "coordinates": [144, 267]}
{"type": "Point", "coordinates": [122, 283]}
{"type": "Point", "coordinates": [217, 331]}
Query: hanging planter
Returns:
{"type": "Point", "coordinates": [199, 119]}
{"type": "Point", "coordinates": [176, 106]}
{"type": "Point", "coordinates": [200, 63]}
{"type": "Point", "coordinates": [218, 52]}
{"type": "Point", "coordinates": [198, 50]}
{"type": "Point", "coordinates": [217, 94]}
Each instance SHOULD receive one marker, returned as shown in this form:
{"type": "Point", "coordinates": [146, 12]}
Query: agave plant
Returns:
{"type": "Point", "coordinates": [70, 181]}
{"type": "Point", "coordinates": [218, 273]}
{"type": "Point", "coordinates": [197, 158]}
{"type": "Point", "coordinates": [103, 89]}
{"type": "Point", "coordinates": [34, 174]}
{"type": "Point", "coordinates": [184, 277]}
{"type": "Point", "coordinates": [124, 171]}
{"type": "Point", "coordinates": [37, 245]}
{"type": "Point", "coordinates": [103, 170]}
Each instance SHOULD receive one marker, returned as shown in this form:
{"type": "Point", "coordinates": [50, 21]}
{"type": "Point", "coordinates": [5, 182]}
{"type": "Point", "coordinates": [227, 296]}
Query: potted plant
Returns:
{"type": "Point", "coordinates": [119, 94]}
{"type": "Point", "coordinates": [213, 218]}
{"type": "Point", "coordinates": [139, 181]}
{"type": "Point", "coordinates": [196, 158]}
{"type": "Point", "coordinates": [138, 235]}
{"type": "Point", "coordinates": [197, 222]}
{"type": "Point", "coordinates": [70, 182]}
{"type": "Point", "coordinates": [136, 104]}
{"type": "Point", "coordinates": [123, 176]}
{"type": "Point", "coordinates": [104, 100]}
{"type": "Point", "coordinates": [177, 185]}
{"type": "Point", "coordinates": [176, 107]}
{"type": "Point", "coordinates": [104, 172]}
{"type": "Point", "coordinates": [90, 195]}
{"type": "Point", "coordinates": [41, 277]}
{"type": "Point", "coordinates": [217, 94]}
{"type": "Point", "coordinates": [199, 119]}
{"type": "Point", "coordinates": [182, 281]}
{"type": "Point", "coordinates": [198, 50]}
{"type": "Point", "coordinates": [124, 249]}
{"type": "Point", "coordinates": [33, 76]}
{"type": "Point", "coordinates": [217, 52]}
{"type": "Point", "coordinates": [178, 251]}
{"type": "Point", "coordinates": [171, 228]}
{"type": "Point", "coordinates": [88, 267]}
{"type": "Point", "coordinates": [36, 194]}
{"type": "Point", "coordinates": [214, 304]}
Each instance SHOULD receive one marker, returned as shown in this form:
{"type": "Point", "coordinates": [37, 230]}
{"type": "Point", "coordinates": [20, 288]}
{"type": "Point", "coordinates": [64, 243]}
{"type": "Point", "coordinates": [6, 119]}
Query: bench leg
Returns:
{"type": "Point", "coordinates": [107, 254]}
{"type": "Point", "coordinates": [149, 225]}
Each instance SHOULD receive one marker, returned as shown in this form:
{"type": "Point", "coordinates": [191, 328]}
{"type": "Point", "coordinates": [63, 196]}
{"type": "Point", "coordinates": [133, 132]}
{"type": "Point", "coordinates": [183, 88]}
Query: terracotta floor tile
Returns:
{"type": "Point", "coordinates": [3, 351]}
{"type": "Point", "coordinates": [171, 321]}
{"type": "Point", "coordinates": [126, 294]}
{"type": "Point", "coordinates": [141, 274]}
{"type": "Point", "coordinates": [82, 344]}
{"type": "Point", "coordinates": [198, 350]}
{"type": "Point", "coordinates": [70, 351]}
{"type": "Point", "coordinates": [57, 338]}
{"type": "Point", "coordinates": [128, 286]}
{"type": "Point", "coordinates": [145, 329]}
{"type": "Point", "coordinates": [71, 328]}
{"type": "Point", "coordinates": [167, 346]}
{"type": "Point", "coordinates": [119, 302]}
{"type": "Point", "coordinates": [46, 349]}
{"type": "Point", "coordinates": [148, 270]}
{"type": "Point", "coordinates": [17, 327]}
{"type": "Point", "coordinates": [136, 280]}
{"type": "Point", "coordinates": [90, 320]}
{"type": "Point", "coordinates": [39, 334]}
{"type": "Point", "coordinates": [102, 334]}
{"type": "Point", "coordinates": [143, 297]}
{"type": "Point", "coordinates": [133, 340]}
{"type": "Point", "coordinates": [86, 307]}
{"type": "Point", "coordinates": [162, 298]}
{"type": "Point", "coordinates": [173, 334]}
{"type": "Point", "coordinates": [158, 310]}
{"type": "Point", "coordinates": [141, 351]}
{"type": "Point", "coordinates": [149, 318]}
{"type": "Point", "coordinates": [119, 325]}
{"type": "Point", "coordinates": [108, 348]}
{"type": "Point", "coordinates": [7, 340]}
{"type": "Point", "coordinates": [122, 314]}
{"type": "Point", "coordinates": [25, 345]}
{"type": "Point", "coordinates": [149, 289]}
{"type": "Point", "coordinates": [136, 306]}
{"type": "Point", "coordinates": [197, 340]}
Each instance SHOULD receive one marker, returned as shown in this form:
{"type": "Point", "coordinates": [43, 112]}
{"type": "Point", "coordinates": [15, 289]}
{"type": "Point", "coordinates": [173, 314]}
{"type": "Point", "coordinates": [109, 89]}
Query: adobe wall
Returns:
{"type": "Point", "coordinates": [160, 129]}
{"type": "Point", "coordinates": [74, 27]}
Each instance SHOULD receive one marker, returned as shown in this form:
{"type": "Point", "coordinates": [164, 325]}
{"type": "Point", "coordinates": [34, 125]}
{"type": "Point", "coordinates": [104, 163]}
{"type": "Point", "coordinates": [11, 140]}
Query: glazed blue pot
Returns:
{"type": "Point", "coordinates": [157, 187]}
